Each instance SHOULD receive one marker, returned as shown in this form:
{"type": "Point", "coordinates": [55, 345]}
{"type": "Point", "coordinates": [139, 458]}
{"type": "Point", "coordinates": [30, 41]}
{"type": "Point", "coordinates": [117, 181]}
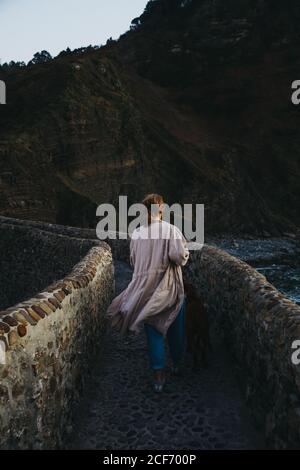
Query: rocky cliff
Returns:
{"type": "Point", "coordinates": [194, 102]}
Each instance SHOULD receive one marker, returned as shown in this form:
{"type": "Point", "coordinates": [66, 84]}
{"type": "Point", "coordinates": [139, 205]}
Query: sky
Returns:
{"type": "Point", "coordinates": [29, 26]}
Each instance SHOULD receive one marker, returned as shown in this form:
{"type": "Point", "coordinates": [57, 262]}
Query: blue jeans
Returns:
{"type": "Point", "coordinates": [176, 341]}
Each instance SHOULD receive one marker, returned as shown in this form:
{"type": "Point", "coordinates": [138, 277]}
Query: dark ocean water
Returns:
{"type": "Point", "coordinates": [285, 277]}
{"type": "Point", "coordinates": [278, 259]}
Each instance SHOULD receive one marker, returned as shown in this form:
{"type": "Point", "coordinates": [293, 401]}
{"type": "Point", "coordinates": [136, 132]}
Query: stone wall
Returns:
{"type": "Point", "coordinates": [120, 248]}
{"type": "Point", "coordinates": [33, 258]}
{"type": "Point", "coordinates": [51, 338]}
{"type": "Point", "coordinates": [258, 325]}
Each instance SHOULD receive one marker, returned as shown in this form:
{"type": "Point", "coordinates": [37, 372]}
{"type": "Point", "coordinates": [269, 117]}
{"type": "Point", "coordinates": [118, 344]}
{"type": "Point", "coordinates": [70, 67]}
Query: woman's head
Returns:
{"type": "Point", "coordinates": [154, 204]}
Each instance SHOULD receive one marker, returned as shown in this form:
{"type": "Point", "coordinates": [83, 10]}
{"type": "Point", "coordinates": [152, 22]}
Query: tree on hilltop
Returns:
{"type": "Point", "coordinates": [40, 58]}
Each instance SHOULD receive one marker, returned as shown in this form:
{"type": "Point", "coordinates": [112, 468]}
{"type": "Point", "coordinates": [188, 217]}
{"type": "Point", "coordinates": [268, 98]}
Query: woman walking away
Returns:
{"type": "Point", "coordinates": [155, 296]}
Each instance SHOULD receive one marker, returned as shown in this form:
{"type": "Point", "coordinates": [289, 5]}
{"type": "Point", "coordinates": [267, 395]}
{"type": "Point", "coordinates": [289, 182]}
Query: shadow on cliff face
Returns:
{"type": "Point", "coordinates": [75, 210]}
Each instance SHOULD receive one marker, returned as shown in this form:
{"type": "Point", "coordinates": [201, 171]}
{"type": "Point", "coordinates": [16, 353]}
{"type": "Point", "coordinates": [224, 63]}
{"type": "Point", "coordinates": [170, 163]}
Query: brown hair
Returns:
{"type": "Point", "coordinates": [149, 200]}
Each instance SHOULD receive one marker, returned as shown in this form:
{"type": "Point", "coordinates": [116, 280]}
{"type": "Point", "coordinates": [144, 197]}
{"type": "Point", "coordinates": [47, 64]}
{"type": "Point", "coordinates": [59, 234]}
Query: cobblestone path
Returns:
{"type": "Point", "coordinates": [200, 410]}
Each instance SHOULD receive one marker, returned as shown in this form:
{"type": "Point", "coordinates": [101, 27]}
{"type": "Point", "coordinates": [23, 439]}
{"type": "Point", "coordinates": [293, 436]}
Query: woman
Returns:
{"type": "Point", "coordinates": [155, 296]}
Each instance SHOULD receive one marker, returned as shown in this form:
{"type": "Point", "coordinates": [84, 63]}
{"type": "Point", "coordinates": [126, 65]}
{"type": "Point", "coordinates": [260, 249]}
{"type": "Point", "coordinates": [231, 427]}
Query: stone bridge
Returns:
{"type": "Point", "coordinates": [68, 381]}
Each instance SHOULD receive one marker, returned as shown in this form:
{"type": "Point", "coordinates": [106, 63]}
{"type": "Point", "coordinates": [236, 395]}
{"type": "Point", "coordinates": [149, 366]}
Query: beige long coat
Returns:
{"type": "Point", "coordinates": [156, 291]}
